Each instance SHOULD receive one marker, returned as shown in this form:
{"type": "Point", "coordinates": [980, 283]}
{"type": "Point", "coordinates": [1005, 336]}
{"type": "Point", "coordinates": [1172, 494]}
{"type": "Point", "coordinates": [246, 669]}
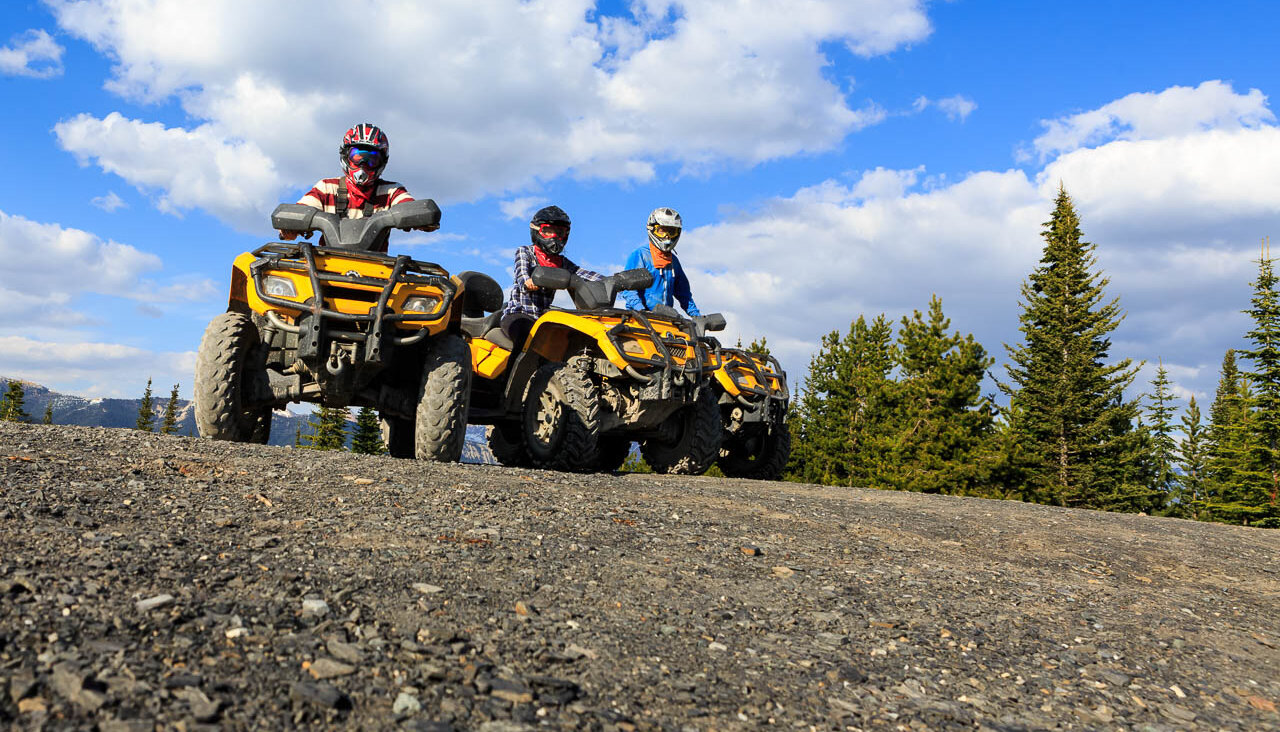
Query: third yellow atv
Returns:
{"type": "Point", "coordinates": [590, 380]}
{"type": "Point", "coordinates": [753, 397]}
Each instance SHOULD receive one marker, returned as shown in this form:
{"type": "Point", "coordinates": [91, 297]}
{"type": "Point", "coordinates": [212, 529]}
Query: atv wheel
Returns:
{"type": "Point", "coordinates": [696, 442]}
{"type": "Point", "coordinates": [613, 452]}
{"type": "Point", "coordinates": [226, 365]}
{"type": "Point", "coordinates": [562, 416]}
{"type": "Point", "coordinates": [507, 444]}
{"type": "Point", "coordinates": [761, 456]}
{"type": "Point", "coordinates": [440, 427]}
{"type": "Point", "coordinates": [397, 436]}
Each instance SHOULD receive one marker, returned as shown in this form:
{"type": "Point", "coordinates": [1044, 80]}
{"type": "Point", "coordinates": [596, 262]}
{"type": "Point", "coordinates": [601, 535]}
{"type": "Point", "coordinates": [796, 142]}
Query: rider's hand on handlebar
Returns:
{"type": "Point", "coordinates": [287, 235]}
{"type": "Point", "coordinates": [433, 227]}
{"type": "Point", "coordinates": [528, 285]}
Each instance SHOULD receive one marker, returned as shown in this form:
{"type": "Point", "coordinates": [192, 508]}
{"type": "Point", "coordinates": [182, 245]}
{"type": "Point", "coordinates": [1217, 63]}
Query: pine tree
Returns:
{"type": "Point", "coordinates": [1225, 439]}
{"type": "Point", "coordinates": [328, 429]}
{"type": "Point", "coordinates": [758, 346]}
{"type": "Point", "coordinates": [842, 412]}
{"type": "Point", "coordinates": [1163, 448]}
{"type": "Point", "coordinates": [11, 404]}
{"type": "Point", "coordinates": [1067, 405]}
{"type": "Point", "coordinates": [48, 414]}
{"type": "Point", "coordinates": [367, 438]}
{"type": "Point", "coordinates": [1191, 460]}
{"type": "Point", "coordinates": [170, 422]}
{"type": "Point", "coordinates": [940, 424]}
{"type": "Point", "coordinates": [1259, 496]}
{"type": "Point", "coordinates": [146, 411]}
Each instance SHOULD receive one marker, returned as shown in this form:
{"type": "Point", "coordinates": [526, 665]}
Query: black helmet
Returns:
{"type": "Point", "coordinates": [549, 229]}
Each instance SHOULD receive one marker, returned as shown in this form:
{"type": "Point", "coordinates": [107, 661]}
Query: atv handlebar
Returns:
{"type": "Point", "coordinates": [591, 294]}
{"type": "Point", "coordinates": [355, 234]}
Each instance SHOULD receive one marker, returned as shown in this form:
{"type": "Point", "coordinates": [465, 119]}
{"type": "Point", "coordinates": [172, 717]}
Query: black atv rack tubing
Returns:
{"type": "Point", "coordinates": [271, 254]}
{"type": "Point", "coordinates": [760, 377]}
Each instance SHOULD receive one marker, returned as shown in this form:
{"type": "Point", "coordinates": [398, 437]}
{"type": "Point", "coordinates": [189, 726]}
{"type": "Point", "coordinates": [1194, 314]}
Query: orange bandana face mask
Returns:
{"type": "Point", "coordinates": [661, 259]}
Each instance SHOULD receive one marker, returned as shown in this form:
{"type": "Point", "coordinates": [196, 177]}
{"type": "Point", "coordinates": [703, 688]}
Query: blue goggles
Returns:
{"type": "Point", "coordinates": [364, 158]}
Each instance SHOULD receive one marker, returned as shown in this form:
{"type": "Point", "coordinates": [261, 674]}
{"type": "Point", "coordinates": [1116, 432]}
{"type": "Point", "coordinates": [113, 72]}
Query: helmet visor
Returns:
{"type": "Point", "coordinates": [665, 232]}
{"type": "Point", "coordinates": [365, 158]}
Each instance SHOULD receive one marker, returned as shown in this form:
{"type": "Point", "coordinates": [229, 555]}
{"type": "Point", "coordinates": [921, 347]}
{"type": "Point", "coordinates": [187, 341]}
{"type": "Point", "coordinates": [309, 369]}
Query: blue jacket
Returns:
{"type": "Point", "coordinates": [669, 284]}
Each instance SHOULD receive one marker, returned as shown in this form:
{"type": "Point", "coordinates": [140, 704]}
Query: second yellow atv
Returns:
{"type": "Point", "coordinates": [339, 325]}
{"type": "Point", "coordinates": [590, 380]}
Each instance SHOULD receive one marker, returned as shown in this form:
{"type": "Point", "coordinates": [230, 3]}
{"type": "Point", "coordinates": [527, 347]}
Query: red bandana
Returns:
{"type": "Point", "coordinates": [357, 196]}
{"type": "Point", "coordinates": [547, 260]}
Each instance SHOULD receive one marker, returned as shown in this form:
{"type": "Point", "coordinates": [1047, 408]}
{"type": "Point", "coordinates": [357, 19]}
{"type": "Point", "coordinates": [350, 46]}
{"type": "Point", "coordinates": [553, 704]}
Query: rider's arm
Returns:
{"type": "Point", "coordinates": [524, 268]}
{"type": "Point", "coordinates": [634, 300]}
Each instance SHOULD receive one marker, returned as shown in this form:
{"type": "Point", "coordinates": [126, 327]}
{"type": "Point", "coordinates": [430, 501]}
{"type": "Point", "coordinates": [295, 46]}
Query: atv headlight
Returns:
{"type": "Point", "coordinates": [632, 346]}
{"type": "Point", "coordinates": [424, 305]}
{"type": "Point", "coordinates": [279, 286]}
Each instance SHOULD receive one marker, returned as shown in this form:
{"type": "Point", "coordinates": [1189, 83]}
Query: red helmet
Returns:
{"type": "Point", "coordinates": [364, 152]}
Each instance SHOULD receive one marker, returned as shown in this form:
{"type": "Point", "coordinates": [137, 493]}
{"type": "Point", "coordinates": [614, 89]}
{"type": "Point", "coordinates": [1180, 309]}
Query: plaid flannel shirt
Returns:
{"type": "Point", "coordinates": [536, 302]}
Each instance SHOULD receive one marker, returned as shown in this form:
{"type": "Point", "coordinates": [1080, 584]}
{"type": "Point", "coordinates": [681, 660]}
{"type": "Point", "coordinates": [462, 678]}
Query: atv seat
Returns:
{"type": "Point", "coordinates": [488, 328]}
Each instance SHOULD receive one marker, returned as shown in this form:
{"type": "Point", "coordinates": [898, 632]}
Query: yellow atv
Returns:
{"type": "Point", "coordinates": [590, 380]}
{"type": "Point", "coordinates": [339, 325]}
{"type": "Point", "coordinates": [753, 397]}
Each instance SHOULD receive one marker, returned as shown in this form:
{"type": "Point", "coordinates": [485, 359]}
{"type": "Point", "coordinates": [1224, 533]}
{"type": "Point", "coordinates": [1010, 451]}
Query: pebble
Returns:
{"type": "Point", "coordinates": [406, 704]}
{"type": "Point", "coordinates": [153, 603]}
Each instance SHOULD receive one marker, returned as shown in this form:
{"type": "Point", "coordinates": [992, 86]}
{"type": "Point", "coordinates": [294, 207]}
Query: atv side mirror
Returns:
{"type": "Point", "coordinates": [422, 213]}
{"type": "Point", "coordinates": [293, 217]}
{"type": "Point", "coordinates": [632, 279]}
{"type": "Point", "coordinates": [552, 278]}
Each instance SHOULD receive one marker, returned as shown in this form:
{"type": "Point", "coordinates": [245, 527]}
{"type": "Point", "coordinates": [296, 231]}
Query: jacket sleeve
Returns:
{"type": "Point", "coordinates": [633, 299]}
{"type": "Point", "coordinates": [523, 268]}
{"type": "Point", "coordinates": [682, 291]}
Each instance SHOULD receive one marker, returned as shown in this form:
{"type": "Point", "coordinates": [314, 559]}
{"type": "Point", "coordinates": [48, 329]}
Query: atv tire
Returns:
{"type": "Point", "coordinates": [762, 456]}
{"type": "Point", "coordinates": [507, 443]}
{"type": "Point", "coordinates": [696, 442]}
{"type": "Point", "coordinates": [397, 436]}
{"type": "Point", "coordinates": [613, 451]}
{"type": "Point", "coordinates": [440, 425]}
{"type": "Point", "coordinates": [561, 418]}
{"type": "Point", "coordinates": [226, 364]}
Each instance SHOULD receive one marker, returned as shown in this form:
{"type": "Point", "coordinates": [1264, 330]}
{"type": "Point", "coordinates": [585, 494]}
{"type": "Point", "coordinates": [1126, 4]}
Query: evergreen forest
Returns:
{"type": "Point", "coordinates": [904, 410]}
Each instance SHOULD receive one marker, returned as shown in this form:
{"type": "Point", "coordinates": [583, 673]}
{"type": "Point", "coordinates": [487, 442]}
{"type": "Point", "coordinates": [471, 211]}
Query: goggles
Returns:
{"type": "Point", "coordinates": [665, 232]}
{"type": "Point", "coordinates": [364, 158]}
{"type": "Point", "coordinates": [556, 231]}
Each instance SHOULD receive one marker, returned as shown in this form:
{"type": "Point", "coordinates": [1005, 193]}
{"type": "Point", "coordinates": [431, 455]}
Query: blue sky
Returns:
{"type": "Point", "coordinates": [831, 158]}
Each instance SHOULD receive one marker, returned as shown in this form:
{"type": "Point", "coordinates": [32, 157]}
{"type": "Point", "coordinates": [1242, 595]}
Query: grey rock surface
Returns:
{"type": "Point", "coordinates": [465, 597]}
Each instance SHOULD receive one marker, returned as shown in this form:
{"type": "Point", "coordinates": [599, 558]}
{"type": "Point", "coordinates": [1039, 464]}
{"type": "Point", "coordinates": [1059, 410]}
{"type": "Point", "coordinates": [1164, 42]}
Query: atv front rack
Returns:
{"type": "Point", "coordinates": [763, 379]}
{"type": "Point", "coordinates": [301, 257]}
{"type": "Point", "coordinates": [705, 357]}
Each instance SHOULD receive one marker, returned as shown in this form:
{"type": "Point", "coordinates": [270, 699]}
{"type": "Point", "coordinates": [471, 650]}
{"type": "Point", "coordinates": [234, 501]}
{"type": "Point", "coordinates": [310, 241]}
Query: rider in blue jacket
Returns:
{"type": "Point", "coordinates": [659, 257]}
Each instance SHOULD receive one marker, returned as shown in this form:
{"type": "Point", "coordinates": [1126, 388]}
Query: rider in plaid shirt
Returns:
{"type": "Point", "coordinates": [548, 232]}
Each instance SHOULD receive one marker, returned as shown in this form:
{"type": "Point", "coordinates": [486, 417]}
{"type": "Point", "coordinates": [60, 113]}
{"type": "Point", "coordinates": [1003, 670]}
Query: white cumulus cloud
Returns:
{"type": "Point", "coordinates": [48, 266]}
{"type": "Point", "coordinates": [1177, 219]}
{"type": "Point", "coordinates": [479, 97]}
{"type": "Point", "coordinates": [33, 54]}
{"type": "Point", "coordinates": [1176, 111]}
{"type": "Point", "coordinates": [92, 368]}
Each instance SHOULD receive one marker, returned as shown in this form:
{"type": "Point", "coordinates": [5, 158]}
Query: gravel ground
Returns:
{"type": "Point", "coordinates": [151, 581]}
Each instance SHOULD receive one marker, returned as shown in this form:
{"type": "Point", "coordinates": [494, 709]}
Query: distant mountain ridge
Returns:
{"type": "Point", "coordinates": [103, 412]}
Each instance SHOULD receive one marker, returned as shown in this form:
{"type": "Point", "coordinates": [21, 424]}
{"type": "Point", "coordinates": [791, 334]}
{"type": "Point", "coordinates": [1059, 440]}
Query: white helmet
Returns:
{"type": "Point", "coordinates": [664, 228]}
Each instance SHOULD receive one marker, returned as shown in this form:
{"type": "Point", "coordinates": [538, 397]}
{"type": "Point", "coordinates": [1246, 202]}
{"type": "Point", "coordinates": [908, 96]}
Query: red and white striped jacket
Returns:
{"type": "Point", "coordinates": [324, 196]}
